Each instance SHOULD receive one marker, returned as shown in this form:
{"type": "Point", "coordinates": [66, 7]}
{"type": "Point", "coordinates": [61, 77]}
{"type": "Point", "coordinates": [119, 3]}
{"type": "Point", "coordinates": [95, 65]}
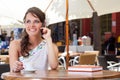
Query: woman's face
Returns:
{"type": "Point", "coordinates": [32, 24]}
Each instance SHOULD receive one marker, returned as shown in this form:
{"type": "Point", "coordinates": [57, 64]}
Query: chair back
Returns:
{"type": "Point", "coordinates": [4, 68]}
{"type": "Point", "coordinates": [61, 48]}
{"type": "Point", "coordinates": [103, 62]}
{"type": "Point", "coordinates": [93, 52]}
{"type": "Point", "coordinates": [111, 57]}
{"type": "Point", "coordinates": [87, 59]}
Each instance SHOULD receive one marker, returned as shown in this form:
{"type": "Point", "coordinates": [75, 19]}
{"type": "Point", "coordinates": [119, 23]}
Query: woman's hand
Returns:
{"type": "Point", "coordinates": [46, 33]}
{"type": "Point", "coordinates": [17, 66]}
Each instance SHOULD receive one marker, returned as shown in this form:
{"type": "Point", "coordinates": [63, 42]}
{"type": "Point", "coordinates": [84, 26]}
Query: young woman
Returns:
{"type": "Point", "coordinates": [35, 47]}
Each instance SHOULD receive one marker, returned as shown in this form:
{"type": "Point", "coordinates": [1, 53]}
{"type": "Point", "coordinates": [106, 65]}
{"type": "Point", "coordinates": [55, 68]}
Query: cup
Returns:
{"type": "Point", "coordinates": [28, 67]}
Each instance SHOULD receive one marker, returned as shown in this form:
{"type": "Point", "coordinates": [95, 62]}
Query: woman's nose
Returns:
{"type": "Point", "coordinates": [32, 24]}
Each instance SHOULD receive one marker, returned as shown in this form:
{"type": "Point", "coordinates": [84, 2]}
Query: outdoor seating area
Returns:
{"type": "Point", "coordinates": [74, 52]}
{"type": "Point", "coordinates": [90, 57]}
{"type": "Point", "coordinates": [108, 62]}
{"type": "Point", "coordinates": [42, 39]}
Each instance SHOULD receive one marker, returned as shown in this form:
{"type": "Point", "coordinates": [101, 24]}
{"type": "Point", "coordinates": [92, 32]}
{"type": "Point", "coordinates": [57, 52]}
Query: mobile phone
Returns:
{"type": "Point", "coordinates": [41, 31]}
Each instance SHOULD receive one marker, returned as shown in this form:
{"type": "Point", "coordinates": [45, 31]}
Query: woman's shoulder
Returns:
{"type": "Point", "coordinates": [14, 46]}
{"type": "Point", "coordinates": [15, 42]}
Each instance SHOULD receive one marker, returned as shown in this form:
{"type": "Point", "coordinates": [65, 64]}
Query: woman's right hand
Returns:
{"type": "Point", "coordinates": [46, 33]}
{"type": "Point", "coordinates": [17, 66]}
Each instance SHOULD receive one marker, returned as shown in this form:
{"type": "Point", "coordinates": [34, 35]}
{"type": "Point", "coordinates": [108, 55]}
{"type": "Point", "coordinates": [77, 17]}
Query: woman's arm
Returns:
{"type": "Point", "coordinates": [52, 49]}
{"type": "Point", "coordinates": [14, 49]}
{"type": "Point", "coordinates": [52, 55]}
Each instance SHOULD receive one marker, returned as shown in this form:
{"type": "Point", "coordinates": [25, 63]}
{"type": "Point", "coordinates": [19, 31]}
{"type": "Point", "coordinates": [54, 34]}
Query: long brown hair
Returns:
{"type": "Point", "coordinates": [25, 37]}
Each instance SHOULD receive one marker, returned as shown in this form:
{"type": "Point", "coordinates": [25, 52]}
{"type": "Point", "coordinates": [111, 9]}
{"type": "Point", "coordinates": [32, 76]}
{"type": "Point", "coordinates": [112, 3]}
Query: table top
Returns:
{"type": "Point", "coordinates": [4, 59]}
{"type": "Point", "coordinates": [61, 74]}
{"type": "Point", "coordinates": [71, 54]}
{"type": "Point", "coordinates": [4, 56]}
{"type": "Point", "coordinates": [118, 57]}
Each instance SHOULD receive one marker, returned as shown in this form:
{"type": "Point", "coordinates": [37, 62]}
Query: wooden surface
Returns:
{"type": "Point", "coordinates": [71, 54]}
{"type": "Point", "coordinates": [118, 57]}
{"type": "Point", "coordinates": [61, 75]}
{"type": "Point", "coordinates": [4, 58]}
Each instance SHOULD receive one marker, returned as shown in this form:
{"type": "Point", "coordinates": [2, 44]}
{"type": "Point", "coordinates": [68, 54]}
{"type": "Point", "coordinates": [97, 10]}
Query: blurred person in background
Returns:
{"type": "Point", "coordinates": [111, 44]}
{"type": "Point", "coordinates": [11, 35]}
{"type": "Point", "coordinates": [17, 33]}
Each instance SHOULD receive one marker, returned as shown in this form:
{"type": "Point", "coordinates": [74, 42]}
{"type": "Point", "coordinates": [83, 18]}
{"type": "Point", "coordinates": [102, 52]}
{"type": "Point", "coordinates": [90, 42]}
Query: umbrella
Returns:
{"type": "Point", "coordinates": [7, 22]}
{"type": "Point", "coordinates": [17, 8]}
{"type": "Point", "coordinates": [56, 9]}
{"type": "Point", "coordinates": [79, 9]}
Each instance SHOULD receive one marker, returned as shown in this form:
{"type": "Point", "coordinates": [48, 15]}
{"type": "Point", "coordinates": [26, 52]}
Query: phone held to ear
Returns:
{"type": "Point", "coordinates": [41, 30]}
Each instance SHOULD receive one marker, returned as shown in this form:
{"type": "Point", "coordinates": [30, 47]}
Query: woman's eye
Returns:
{"type": "Point", "coordinates": [36, 21]}
{"type": "Point", "coordinates": [28, 21]}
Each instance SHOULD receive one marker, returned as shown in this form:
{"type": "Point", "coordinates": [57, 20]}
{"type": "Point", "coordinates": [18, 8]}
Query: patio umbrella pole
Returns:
{"type": "Point", "coordinates": [67, 36]}
{"type": "Point", "coordinates": [96, 29]}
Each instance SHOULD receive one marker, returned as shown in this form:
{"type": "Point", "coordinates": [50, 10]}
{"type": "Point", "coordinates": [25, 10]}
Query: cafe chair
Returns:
{"type": "Point", "coordinates": [75, 61]}
{"type": "Point", "coordinates": [118, 49]}
{"type": "Point", "coordinates": [62, 61]}
{"type": "Point", "coordinates": [93, 52]}
{"type": "Point", "coordinates": [112, 61]}
{"type": "Point", "coordinates": [103, 62]}
{"type": "Point", "coordinates": [4, 68]}
{"type": "Point", "coordinates": [61, 48]}
{"type": "Point", "coordinates": [108, 62]}
{"type": "Point", "coordinates": [87, 59]}
{"type": "Point", "coordinates": [80, 49]}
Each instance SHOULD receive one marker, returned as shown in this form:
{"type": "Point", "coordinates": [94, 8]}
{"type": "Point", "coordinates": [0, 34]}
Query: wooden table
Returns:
{"type": "Point", "coordinates": [118, 57]}
{"type": "Point", "coordinates": [71, 54]}
{"type": "Point", "coordinates": [4, 58]}
{"type": "Point", "coordinates": [61, 75]}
